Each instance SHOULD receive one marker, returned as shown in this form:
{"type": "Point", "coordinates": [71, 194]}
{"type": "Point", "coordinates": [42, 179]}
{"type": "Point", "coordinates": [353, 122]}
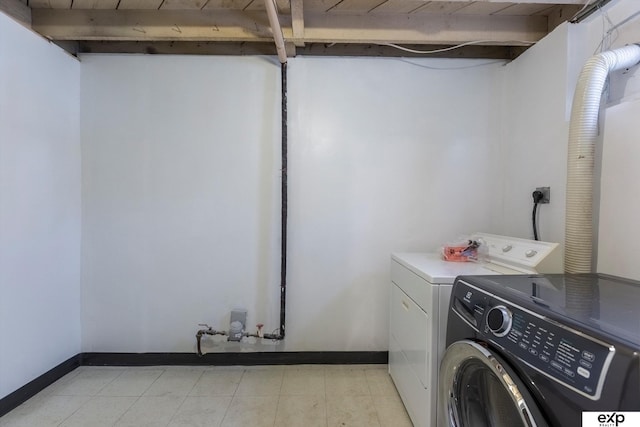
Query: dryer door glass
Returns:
{"type": "Point", "coordinates": [478, 390]}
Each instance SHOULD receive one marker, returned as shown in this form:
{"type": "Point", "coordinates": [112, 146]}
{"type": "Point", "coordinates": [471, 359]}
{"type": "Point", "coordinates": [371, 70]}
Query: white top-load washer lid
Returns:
{"type": "Point", "coordinates": [505, 255]}
{"type": "Point", "coordinates": [434, 269]}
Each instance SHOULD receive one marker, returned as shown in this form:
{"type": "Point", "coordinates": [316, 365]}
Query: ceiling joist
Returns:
{"type": "Point", "coordinates": [357, 27]}
{"type": "Point", "coordinates": [144, 25]}
{"type": "Point", "coordinates": [297, 22]}
{"type": "Point", "coordinates": [313, 49]}
{"type": "Point", "coordinates": [238, 26]}
{"type": "Point", "coordinates": [428, 28]}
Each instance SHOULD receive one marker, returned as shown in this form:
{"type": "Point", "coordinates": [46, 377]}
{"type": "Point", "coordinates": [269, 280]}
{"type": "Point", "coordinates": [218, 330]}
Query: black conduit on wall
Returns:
{"type": "Point", "coordinates": [283, 244]}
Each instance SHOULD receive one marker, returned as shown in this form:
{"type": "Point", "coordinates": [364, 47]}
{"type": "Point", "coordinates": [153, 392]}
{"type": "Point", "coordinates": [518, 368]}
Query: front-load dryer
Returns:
{"type": "Point", "coordinates": [532, 350]}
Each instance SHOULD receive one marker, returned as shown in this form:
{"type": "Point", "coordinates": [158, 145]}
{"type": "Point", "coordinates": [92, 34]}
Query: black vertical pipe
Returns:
{"type": "Point", "coordinates": [283, 226]}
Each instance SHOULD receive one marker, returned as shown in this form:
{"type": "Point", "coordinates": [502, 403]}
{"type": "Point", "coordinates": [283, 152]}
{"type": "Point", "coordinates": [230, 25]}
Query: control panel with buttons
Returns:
{"type": "Point", "coordinates": [569, 357]}
{"type": "Point", "coordinates": [521, 255]}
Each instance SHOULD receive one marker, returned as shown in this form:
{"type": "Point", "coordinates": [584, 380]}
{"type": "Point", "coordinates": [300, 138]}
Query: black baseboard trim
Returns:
{"type": "Point", "coordinates": [244, 358]}
{"type": "Point", "coordinates": [24, 393]}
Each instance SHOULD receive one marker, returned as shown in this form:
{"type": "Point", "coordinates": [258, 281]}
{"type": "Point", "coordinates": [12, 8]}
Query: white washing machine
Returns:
{"type": "Point", "coordinates": [420, 289]}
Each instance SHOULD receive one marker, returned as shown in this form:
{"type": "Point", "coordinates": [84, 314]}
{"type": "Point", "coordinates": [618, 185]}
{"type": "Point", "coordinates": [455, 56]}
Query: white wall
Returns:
{"type": "Point", "coordinates": [619, 184]}
{"type": "Point", "coordinates": [386, 155]}
{"type": "Point", "coordinates": [39, 206]}
{"type": "Point", "coordinates": [619, 202]}
{"type": "Point", "coordinates": [538, 92]}
{"type": "Point", "coordinates": [180, 179]}
{"type": "Point", "coordinates": [181, 191]}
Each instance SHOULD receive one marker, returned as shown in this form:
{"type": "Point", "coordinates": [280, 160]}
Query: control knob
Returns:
{"type": "Point", "coordinates": [499, 320]}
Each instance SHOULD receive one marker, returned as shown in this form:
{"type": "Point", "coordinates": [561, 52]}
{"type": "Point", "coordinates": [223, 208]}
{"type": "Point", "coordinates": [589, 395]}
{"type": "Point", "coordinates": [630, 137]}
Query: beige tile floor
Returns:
{"type": "Point", "coordinates": [247, 396]}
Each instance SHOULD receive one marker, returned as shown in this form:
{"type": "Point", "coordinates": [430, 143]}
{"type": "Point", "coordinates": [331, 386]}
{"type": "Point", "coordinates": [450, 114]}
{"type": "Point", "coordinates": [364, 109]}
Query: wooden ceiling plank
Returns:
{"type": "Point", "coordinates": [319, 5]}
{"type": "Point", "coordinates": [283, 6]}
{"type": "Point", "coordinates": [354, 6]}
{"type": "Point", "coordinates": [297, 22]}
{"type": "Point", "coordinates": [95, 4]}
{"type": "Point", "coordinates": [399, 6]}
{"type": "Point", "coordinates": [549, 9]}
{"type": "Point", "coordinates": [256, 5]}
{"type": "Point", "coordinates": [253, 26]}
{"type": "Point", "coordinates": [50, 4]}
{"type": "Point", "coordinates": [16, 10]}
{"type": "Point", "coordinates": [439, 7]}
{"type": "Point", "coordinates": [421, 29]}
{"type": "Point", "coordinates": [524, 9]}
{"type": "Point", "coordinates": [144, 25]}
{"type": "Point", "coordinates": [140, 4]}
{"type": "Point", "coordinates": [483, 8]}
{"type": "Point", "coordinates": [227, 4]}
{"type": "Point", "coordinates": [183, 4]}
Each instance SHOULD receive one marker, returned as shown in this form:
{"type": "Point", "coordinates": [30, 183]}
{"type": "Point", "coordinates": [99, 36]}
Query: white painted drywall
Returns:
{"type": "Point", "coordinates": [39, 206]}
{"type": "Point", "coordinates": [386, 155]}
{"type": "Point", "coordinates": [538, 92]}
{"type": "Point", "coordinates": [619, 185]}
{"type": "Point", "coordinates": [180, 175]}
{"type": "Point", "coordinates": [181, 190]}
{"type": "Point", "coordinates": [620, 204]}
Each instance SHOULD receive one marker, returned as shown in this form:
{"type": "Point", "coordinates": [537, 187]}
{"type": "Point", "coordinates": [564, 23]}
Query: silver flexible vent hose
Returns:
{"type": "Point", "coordinates": [583, 132]}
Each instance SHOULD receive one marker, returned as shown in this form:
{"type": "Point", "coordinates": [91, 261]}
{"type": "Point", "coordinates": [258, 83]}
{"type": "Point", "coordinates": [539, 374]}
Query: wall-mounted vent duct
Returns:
{"type": "Point", "coordinates": [583, 133]}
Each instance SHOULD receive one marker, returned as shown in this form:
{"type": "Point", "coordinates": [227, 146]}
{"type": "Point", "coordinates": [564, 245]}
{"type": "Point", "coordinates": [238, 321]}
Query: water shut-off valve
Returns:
{"type": "Point", "coordinates": [210, 331]}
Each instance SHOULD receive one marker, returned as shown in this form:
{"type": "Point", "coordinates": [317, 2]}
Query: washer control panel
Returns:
{"type": "Point", "coordinates": [520, 255]}
{"type": "Point", "coordinates": [571, 358]}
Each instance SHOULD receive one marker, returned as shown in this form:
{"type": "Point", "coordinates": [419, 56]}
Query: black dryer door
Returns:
{"type": "Point", "coordinates": [477, 389]}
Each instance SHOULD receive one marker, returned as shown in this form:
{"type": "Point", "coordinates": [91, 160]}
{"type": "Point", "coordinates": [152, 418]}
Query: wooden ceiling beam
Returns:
{"type": "Point", "coordinates": [297, 22]}
{"type": "Point", "coordinates": [146, 25]}
{"type": "Point", "coordinates": [425, 29]}
{"type": "Point", "coordinates": [310, 49]}
{"type": "Point", "coordinates": [228, 25]}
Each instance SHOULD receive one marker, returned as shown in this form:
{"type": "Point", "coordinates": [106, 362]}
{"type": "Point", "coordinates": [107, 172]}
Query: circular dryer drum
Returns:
{"type": "Point", "coordinates": [477, 389]}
